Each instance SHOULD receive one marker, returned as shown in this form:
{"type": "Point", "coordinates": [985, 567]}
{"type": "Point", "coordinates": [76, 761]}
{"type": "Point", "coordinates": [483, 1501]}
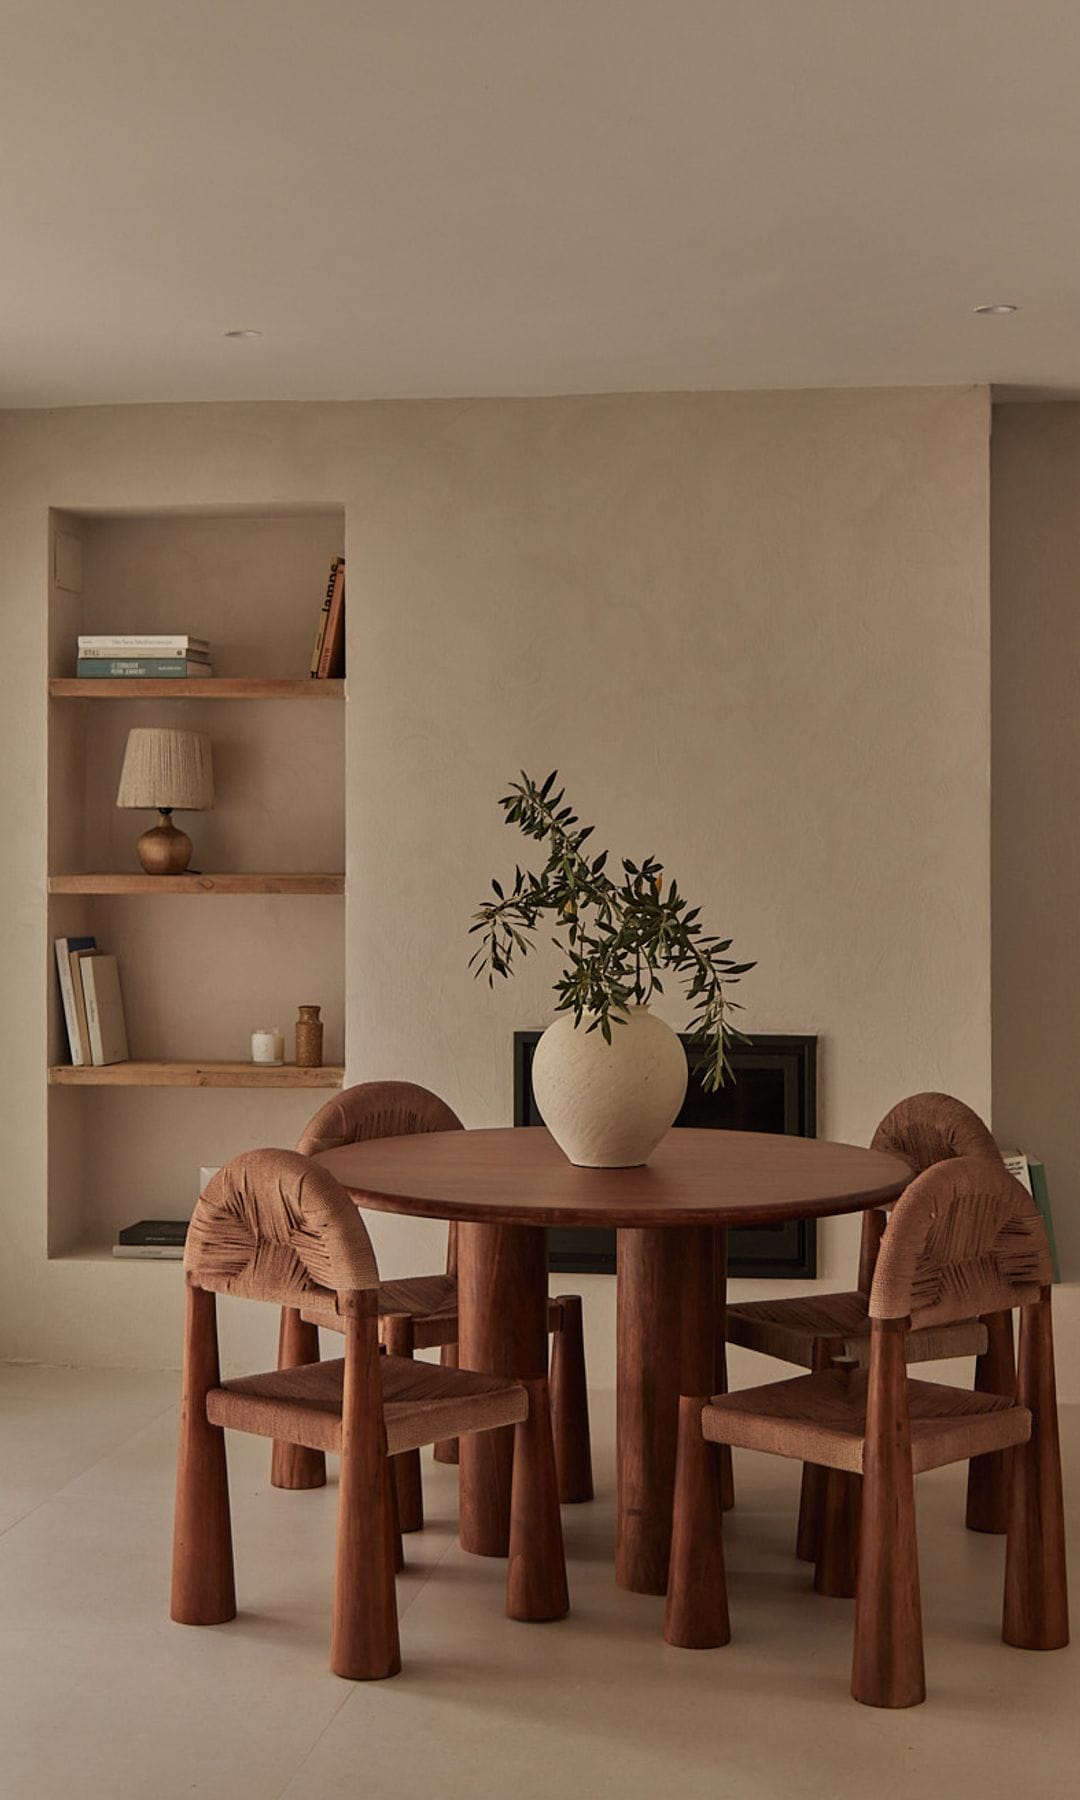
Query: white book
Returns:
{"type": "Point", "coordinates": [151, 1252]}
{"type": "Point", "coordinates": [104, 1009]}
{"type": "Point", "coordinates": [146, 641]}
{"type": "Point", "coordinates": [1017, 1164]}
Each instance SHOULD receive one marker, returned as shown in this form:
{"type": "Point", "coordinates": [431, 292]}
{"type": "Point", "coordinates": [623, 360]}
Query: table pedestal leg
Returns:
{"type": "Point", "coordinates": [666, 1346]}
{"type": "Point", "coordinates": [502, 1310]}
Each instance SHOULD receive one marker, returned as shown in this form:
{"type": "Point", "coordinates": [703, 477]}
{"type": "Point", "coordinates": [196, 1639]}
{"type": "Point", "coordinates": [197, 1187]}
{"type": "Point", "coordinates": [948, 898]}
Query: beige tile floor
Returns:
{"type": "Point", "coordinates": [102, 1698]}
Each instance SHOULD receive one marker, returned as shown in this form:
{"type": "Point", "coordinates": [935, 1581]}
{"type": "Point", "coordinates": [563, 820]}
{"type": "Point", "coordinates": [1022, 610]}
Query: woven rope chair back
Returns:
{"type": "Point", "coordinates": [928, 1128]}
{"type": "Point", "coordinates": [376, 1109]}
{"type": "Point", "coordinates": [273, 1226]}
{"type": "Point", "coordinates": [964, 1239]}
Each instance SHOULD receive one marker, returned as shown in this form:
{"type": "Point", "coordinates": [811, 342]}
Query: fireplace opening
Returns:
{"type": "Point", "coordinates": [775, 1089]}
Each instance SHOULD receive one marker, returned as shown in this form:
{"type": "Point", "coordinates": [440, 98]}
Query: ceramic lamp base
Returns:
{"type": "Point", "coordinates": [165, 849]}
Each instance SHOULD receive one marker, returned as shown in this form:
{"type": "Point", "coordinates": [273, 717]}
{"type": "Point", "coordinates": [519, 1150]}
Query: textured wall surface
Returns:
{"type": "Point", "coordinates": [1036, 787]}
{"type": "Point", "coordinates": [751, 630]}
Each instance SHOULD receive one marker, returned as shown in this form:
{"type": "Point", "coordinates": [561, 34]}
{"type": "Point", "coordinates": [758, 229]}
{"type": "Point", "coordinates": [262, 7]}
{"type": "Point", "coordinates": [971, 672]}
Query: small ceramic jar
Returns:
{"type": "Point", "coordinates": [309, 1036]}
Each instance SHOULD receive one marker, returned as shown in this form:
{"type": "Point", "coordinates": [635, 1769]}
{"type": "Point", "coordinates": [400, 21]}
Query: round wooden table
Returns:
{"type": "Point", "coordinates": [506, 1187]}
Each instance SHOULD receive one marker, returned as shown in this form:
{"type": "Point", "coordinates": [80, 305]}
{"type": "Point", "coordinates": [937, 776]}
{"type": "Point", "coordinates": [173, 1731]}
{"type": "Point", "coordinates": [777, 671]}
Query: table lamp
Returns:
{"type": "Point", "coordinates": [166, 770]}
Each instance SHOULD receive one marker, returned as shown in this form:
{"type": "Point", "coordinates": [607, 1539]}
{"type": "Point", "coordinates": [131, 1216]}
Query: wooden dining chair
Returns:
{"type": "Point", "coordinates": [420, 1312]}
{"type": "Point", "coordinates": [272, 1226]}
{"type": "Point", "coordinates": [811, 1330]}
{"type": "Point", "coordinates": [964, 1239]}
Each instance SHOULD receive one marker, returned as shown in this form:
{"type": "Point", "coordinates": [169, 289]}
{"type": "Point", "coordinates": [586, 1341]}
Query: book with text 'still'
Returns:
{"type": "Point", "coordinates": [142, 668]}
{"type": "Point", "coordinates": [120, 652]}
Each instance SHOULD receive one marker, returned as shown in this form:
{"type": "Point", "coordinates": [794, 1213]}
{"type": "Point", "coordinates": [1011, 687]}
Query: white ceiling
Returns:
{"type": "Point", "coordinates": [465, 197]}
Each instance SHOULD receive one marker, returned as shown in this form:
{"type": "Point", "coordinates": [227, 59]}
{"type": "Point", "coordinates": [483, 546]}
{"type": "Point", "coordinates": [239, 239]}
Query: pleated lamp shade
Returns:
{"type": "Point", "coordinates": [167, 769]}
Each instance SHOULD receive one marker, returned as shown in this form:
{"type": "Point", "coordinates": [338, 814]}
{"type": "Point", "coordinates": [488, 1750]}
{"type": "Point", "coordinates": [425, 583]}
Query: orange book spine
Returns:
{"type": "Point", "coordinates": [324, 614]}
{"type": "Point", "coordinates": [332, 656]}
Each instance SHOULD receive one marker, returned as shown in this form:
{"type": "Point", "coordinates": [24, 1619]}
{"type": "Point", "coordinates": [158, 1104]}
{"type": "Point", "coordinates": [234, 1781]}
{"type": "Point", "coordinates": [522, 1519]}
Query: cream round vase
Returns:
{"type": "Point", "coordinates": [608, 1105]}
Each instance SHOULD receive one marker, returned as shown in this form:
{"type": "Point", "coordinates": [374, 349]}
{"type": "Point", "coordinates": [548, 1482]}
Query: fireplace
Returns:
{"type": "Point", "coordinates": [775, 1089]}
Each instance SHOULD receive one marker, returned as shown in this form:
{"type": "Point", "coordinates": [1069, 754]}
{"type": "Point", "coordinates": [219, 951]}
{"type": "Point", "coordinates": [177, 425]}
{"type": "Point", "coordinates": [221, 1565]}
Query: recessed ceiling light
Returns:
{"type": "Point", "coordinates": [254, 334]}
{"type": "Point", "coordinates": [999, 307]}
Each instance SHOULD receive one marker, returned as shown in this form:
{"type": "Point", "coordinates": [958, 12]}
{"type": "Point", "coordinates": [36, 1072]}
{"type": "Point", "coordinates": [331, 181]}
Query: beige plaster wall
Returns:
{"type": "Point", "coordinates": [1036, 789]}
{"type": "Point", "coordinates": [751, 630]}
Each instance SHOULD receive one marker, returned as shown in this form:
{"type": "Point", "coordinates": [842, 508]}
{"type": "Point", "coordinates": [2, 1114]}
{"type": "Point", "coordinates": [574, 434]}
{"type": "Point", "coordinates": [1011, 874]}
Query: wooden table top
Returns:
{"type": "Point", "coordinates": [519, 1176]}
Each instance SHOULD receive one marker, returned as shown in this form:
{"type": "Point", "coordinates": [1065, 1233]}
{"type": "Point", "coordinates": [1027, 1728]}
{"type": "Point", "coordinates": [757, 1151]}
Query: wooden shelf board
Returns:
{"type": "Point", "coordinates": [196, 884]}
{"type": "Point", "coordinates": [206, 1074]}
{"type": "Point", "coordinates": [216, 687]}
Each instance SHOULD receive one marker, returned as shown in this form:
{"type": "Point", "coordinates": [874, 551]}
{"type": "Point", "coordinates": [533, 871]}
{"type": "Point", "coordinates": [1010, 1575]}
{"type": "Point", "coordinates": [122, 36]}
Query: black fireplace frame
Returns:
{"type": "Point", "coordinates": [771, 1252]}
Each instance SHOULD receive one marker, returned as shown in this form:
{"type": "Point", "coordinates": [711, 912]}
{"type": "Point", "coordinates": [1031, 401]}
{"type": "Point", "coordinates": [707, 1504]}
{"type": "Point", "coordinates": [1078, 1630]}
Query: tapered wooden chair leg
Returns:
{"type": "Point", "coordinates": [395, 1528]}
{"type": "Point", "coordinates": [723, 1451]}
{"type": "Point", "coordinates": [570, 1405]}
{"type": "Point", "coordinates": [291, 1465]}
{"type": "Point", "coordinates": [536, 1579]}
{"type": "Point", "coordinates": [812, 1489]}
{"type": "Point", "coordinates": [203, 1589]}
{"type": "Point", "coordinates": [397, 1333]}
{"type": "Point", "coordinates": [446, 1450]}
{"type": "Point", "coordinates": [837, 1562]}
{"type": "Point", "coordinates": [1036, 1610]}
{"type": "Point", "coordinates": [989, 1476]}
{"type": "Point", "coordinates": [811, 1509]}
{"type": "Point", "coordinates": [887, 1664]}
{"type": "Point", "coordinates": [696, 1615]}
{"type": "Point", "coordinates": [364, 1643]}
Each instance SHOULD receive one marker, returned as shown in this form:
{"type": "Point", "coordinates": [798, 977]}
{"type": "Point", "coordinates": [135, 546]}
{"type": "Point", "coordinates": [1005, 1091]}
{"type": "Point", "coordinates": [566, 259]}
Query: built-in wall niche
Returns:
{"type": "Point", "coordinates": [118, 1154]}
{"type": "Point", "coordinates": [256, 929]}
{"type": "Point", "coordinates": [253, 585]}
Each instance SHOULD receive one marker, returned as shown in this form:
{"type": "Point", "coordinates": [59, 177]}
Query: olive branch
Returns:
{"type": "Point", "coordinates": [616, 935]}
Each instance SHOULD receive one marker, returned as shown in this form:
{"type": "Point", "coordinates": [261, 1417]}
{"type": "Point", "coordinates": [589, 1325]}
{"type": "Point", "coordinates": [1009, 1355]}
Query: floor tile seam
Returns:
{"type": "Point", "coordinates": [316, 1740]}
{"type": "Point", "coordinates": [57, 1493]}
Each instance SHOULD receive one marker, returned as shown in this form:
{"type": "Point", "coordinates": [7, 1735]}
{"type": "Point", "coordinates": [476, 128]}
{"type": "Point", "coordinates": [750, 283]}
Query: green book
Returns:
{"type": "Point", "coordinates": [1041, 1195]}
{"type": "Point", "coordinates": [155, 668]}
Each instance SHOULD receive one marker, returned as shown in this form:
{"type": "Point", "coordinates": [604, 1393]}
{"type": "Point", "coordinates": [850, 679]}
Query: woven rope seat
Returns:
{"type": "Point", "coordinates": [924, 1129]}
{"type": "Point", "coordinates": [420, 1404]}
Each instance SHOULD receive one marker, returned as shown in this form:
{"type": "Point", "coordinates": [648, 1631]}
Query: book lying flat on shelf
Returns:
{"type": "Point", "coordinates": [154, 1231]}
{"type": "Point", "coordinates": [160, 1238]}
{"type": "Point", "coordinates": [142, 644]}
{"type": "Point", "coordinates": [1029, 1170]}
{"type": "Point", "coordinates": [151, 1252]}
{"type": "Point", "coordinates": [104, 1010]}
{"type": "Point", "coordinates": [67, 950]}
{"type": "Point", "coordinates": [160, 652]}
{"type": "Point", "coordinates": [141, 668]}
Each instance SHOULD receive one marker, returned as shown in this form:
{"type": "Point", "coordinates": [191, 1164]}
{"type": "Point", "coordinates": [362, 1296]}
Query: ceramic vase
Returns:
{"type": "Point", "coordinates": [608, 1105]}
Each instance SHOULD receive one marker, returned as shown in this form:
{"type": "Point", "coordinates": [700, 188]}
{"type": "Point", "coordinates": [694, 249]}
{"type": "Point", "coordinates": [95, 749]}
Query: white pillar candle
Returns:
{"type": "Point", "coordinates": [268, 1047]}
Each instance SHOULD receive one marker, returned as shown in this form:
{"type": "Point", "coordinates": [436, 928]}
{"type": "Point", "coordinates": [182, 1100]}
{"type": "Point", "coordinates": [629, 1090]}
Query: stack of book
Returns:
{"type": "Point", "coordinates": [158, 1239]}
{"type": "Point", "coordinates": [1029, 1170]}
{"type": "Point", "coordinates": [328, 656]}
{"type": "Point", "coordinates": [144, 657]}
{"type": "Point", "coordinates": [93, 1005]}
